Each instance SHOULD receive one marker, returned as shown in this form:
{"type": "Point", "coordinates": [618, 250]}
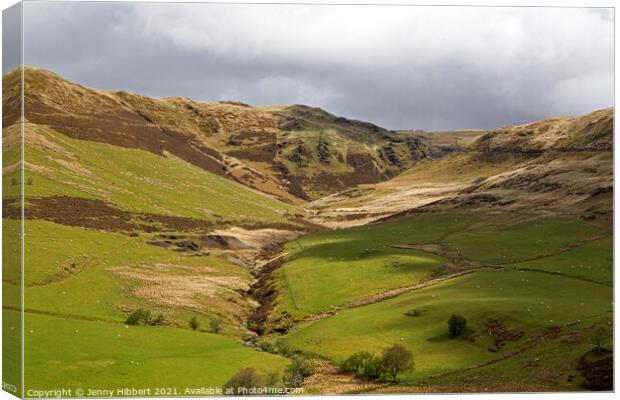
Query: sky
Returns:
{"type": "Point", "coordinates": [401, 67]}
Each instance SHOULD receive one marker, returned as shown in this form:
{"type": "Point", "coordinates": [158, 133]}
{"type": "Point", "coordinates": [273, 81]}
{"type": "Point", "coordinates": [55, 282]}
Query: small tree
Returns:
{"type": "Point", "coordinates": [396, 359]}
{"type": "Point", "coordinates": [457, 325]}
{"type": "Point", "coordinates": [146, 317]}
{"type": "Point", "coordinates": [193, 323]}
{"type": "Point", "coordinates": [215, 325]}
{"type": "Point", "coordinates": [242, 381]}
{"type": "Point", "coordinates": [133, 318]}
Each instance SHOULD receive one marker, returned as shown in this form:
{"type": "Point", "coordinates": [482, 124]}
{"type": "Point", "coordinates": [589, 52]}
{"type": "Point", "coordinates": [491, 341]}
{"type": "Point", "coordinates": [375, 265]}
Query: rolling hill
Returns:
{"type": "Point", "coordinates": [291, 152]}
{"type": "Point", "coordinates": [252, 236]}
{"type": "Point", "coordinates": [560, 166]}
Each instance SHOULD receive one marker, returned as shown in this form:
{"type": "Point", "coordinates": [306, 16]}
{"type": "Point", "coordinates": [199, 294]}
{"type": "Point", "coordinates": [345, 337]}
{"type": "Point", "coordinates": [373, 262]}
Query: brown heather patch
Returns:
{"type": "Point", "coordinates": [597, 370]}
{"type": "Point", "coordinates": [252, 137]}
{"type": "Point", "coordinates": [97, 214]}
{"type": "Point", "coordinates": [259, 153]}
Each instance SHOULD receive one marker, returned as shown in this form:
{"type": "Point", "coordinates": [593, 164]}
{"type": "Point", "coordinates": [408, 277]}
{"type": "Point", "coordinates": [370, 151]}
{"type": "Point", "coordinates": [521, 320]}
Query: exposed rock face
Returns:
{"type": "Point", "coordinates": [322, 149]}
{"type": "Point", "coordinates": [389, 154]}
{"type": "Point", "coordinates": [418, 149]}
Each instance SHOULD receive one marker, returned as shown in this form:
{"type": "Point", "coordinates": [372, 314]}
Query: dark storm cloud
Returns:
{"type": "Point", "coordinates": [400, 67]}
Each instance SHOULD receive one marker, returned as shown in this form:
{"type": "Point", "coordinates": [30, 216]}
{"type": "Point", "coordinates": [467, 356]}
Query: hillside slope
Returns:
{"type": "Point", "coordinates": [554, 166]}
{"type": "Point", "coordinates": [293, 153]}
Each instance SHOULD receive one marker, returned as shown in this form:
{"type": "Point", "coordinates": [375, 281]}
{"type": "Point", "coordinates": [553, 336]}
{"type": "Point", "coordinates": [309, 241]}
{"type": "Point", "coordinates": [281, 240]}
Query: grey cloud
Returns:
{"type": "Point", "coordinates": [412, 67]}
{"type": "Point", "coordinates": [11, 38]}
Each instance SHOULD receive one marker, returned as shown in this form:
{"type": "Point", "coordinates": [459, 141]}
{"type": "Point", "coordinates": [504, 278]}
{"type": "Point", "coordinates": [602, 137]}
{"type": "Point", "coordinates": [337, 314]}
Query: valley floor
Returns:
{"type": "Point", "coordinates": [533, 294]}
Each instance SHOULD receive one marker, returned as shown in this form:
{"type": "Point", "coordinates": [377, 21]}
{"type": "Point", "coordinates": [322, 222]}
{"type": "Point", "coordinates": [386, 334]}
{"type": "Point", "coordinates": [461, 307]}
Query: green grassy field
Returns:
{"type": "Point", "coordinates": [50, 247]}
{"type": "Point", "coordinates": [11, 251]}
{"type": "Point", "coordinates": [548, 367]}
{"type": "Point", "coordinates": [87, 281]}
{"type": "Point", "coordinates": [500, 244]}
{"type": "Point", "coordinates": [579, 273]}
{"type": "Point", "coordinates": [106, 268]}
{"type": "Point", "coordinates": [127, 178]}
{"type": "Point", "coordinates": [521, 299]}
{"type": "Point", "coordinates": [88, 304]}
{"type": "Point", "coordinates": [85, 354]}
{"type": "Point", "coordinates": [332, 268]}
{"type": "Point", "coordinates": [593, 261]}
{"type": "Point", "coordinates": [11, 348]}
{"type": "Point", "coordinates": [75, 332]}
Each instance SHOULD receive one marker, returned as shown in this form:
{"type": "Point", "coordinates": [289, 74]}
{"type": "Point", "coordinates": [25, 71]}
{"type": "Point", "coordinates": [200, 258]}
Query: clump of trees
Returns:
{"type": "Point", "coordinates": [393, 361]}
{"type": "Point", "coordinates": [247, 380]}
{"type": "Point", "coordinates": [363, 364]}
{"type": "Point", "coordinates": [142, 316]}
{"type": "Point", "coordinates": [457, 325]}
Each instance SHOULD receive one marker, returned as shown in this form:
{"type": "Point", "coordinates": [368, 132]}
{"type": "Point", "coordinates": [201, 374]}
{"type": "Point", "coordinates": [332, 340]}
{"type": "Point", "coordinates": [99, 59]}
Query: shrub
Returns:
{"type": "Point", "coordinates": [215, 325]}
{"type": "Point", "coordinates": [193, 323]}
{"type": "Point", "coordinates": [242, 381]}
{"type": "Point", "coordinates": [272, 380]}
{"type": "Point", "coordinates": [160, 320]}
{"type": "Point", "coordinates": [269, 347]}
{"type": "Point", "coordinates": [396, 359]}
{"type": "Point", "coordinates": [133, 318]}
{"type": "Point", "coordinates": [283, 348]}
{"type": "Point", "coordinates": [299, 369]}
{"type": "Point", "coordinates": [301, 365]}
{"type": "Point", "coordinates": [252, 326]}
{"type": "Point", "coordinates": [139, 316]}
{"type": "Point", "coordinates": [363, 365]}
{"type": "Point", "coordinates": [457, 325]}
